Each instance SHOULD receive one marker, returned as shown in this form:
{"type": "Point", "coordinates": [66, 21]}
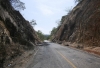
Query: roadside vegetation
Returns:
{"type": "Point", "coordinates": [42, 36]}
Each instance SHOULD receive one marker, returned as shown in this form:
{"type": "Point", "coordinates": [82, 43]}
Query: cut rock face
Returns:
{"type": "Point", "coordinates": [81, 25]}
{"type": "Point", "coordinates": [16, 33]}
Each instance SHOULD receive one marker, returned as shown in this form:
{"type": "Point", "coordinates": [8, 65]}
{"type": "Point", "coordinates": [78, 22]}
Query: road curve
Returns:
{"type": "Point", "coordinates": [57, 56]}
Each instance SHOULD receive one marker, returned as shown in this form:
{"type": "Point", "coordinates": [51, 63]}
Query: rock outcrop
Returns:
{"type": "Point", "coordinates": [16, 33]}
{"type": "Point", "coordinates": [81, 25]}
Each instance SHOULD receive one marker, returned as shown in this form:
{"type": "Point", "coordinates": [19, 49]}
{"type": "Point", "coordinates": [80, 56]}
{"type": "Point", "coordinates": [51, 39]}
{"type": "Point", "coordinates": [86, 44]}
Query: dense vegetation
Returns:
{"type": "Point", "coordinates": [42, 36]}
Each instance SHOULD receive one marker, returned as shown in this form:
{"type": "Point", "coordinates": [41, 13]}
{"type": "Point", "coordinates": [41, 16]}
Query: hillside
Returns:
{"type": "Point", "coordinates": [16, 33]}
{"type": "Point", "coordinates": [81, 25]}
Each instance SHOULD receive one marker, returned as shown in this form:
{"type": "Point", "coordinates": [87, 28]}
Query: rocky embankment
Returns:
{"type": "Point", "coordinates": [16, 33]}
{"type": "Point", "coordinates": [81, 25]}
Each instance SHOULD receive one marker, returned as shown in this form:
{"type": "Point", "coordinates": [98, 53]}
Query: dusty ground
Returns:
{"type": "Point", "coordinates": [93, 50]}
{"type": "Point", "coordinates": [22, 61]}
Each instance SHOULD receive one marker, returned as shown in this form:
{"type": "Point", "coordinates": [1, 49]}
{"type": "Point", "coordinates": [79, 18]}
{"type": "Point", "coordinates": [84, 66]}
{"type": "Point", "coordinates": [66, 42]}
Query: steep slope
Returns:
{"type": "Point", "coordinates": [16, 33]}
{"type": "Point", "coordinates": [81, 25]}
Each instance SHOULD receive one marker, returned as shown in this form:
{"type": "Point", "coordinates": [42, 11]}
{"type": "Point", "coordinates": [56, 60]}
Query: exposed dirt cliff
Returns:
{"type": "Point", "coordinates": [16, 33]}
{"type": "Point", "coordinates": [81, 25]}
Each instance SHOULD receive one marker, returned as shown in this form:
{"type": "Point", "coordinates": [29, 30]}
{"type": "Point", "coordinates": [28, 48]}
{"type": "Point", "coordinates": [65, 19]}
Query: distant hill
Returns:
{"type": "Point", "coordinates": [46, 36]}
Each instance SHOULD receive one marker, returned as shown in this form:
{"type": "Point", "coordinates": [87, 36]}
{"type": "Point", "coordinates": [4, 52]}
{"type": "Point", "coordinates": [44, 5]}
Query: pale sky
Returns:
{"type": "Point", "coordinates": [46, 12]}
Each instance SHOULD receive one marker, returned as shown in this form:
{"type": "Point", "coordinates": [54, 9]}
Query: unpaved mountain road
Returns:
{"type": "Point", "coordinates": [56, 56]}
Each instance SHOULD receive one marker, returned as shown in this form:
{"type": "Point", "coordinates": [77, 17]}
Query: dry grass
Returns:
{"type": "Point", "coordinates": [95, 50]}
{"type": "Point", "coordinates": [9, 52]}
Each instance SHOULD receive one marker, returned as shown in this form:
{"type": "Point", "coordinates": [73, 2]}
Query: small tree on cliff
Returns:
{"type": "Point", "coordinates": [17, 4]}
{"type": "Point", "coordinates": [68, 10]}
{"type": "Point", "coordinates": [53, 30]}
{"type": "Point", "coordinates": [33, 22]}
{"type": "Point", "coordinates": [77, 1]}
{"type": "Point", "coordinates": [58, 22]}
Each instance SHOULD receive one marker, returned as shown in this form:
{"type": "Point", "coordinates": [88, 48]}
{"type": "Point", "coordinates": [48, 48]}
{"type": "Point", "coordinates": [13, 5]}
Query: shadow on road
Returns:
{"type": "Point", "coordinates": [43, 44]}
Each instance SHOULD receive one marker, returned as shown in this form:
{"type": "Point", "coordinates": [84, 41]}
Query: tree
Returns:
{"type": "Point", "coordinates": [68, 10]}
{"type": "Point", "coordinates": [17, 4]}
{"type": "Point", "coordinates": [53, 31]}
{"type": "Point", "coordinates": [33, 22]}
{"type": "Point", "coordinates": [77, 1]}
{"type": "Point", "coordinates": [47, 37]}
{"type": "Point", "coordinates": [40, 35]}
{"type": "Point", "coordinates": [58, 22]}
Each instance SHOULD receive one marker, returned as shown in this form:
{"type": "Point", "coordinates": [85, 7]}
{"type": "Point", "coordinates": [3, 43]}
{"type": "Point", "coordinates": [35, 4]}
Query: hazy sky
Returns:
{"type": "Point", "coordinates": [46, 12]}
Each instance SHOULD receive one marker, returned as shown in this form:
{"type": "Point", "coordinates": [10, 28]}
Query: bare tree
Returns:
{"type": "Point", "coordinates": [77, 1]}
{"type": "Point", "coordinates": [17, 4]}
{"type": "Point", "coordinates": [33, 22]}
{"type": "Point", "coordinates": [58, 22]}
